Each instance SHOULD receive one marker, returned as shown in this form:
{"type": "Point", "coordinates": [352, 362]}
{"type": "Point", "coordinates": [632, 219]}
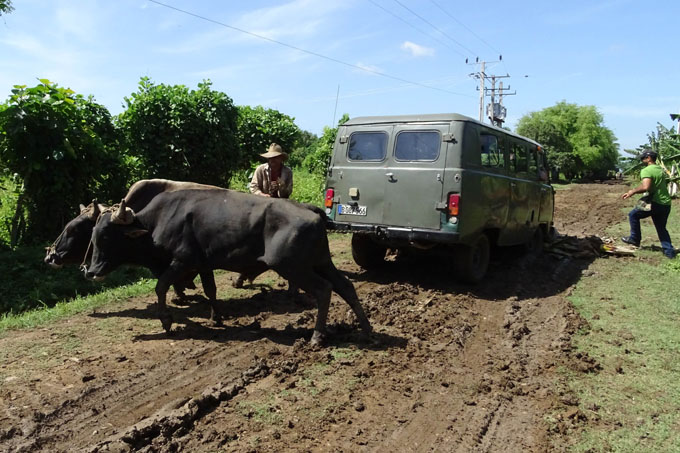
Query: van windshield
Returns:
{"type": "Point", "coordinates": [417, 145]}
{"type": "Point", "coordinates": [367, 146]}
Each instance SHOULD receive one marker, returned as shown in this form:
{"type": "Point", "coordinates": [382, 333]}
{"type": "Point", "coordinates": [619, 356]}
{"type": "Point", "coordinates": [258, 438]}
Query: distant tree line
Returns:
{"type": "Point", "coordinates": [60, 149]}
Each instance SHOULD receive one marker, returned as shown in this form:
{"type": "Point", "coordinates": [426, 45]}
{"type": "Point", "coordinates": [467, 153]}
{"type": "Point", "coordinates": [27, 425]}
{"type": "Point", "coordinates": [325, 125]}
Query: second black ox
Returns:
{"type": "Point", "coordinates": [223, 229]}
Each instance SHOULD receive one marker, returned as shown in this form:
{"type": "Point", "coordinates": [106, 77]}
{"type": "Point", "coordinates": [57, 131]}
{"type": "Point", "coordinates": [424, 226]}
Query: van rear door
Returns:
{"type": "Point", "coordinates": [358, 169]}
{"type": "Point", "coordinates": [414, 176]}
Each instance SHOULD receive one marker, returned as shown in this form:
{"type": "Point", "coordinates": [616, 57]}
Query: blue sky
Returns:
{"type": "Point", "coordinates": [619, 55]}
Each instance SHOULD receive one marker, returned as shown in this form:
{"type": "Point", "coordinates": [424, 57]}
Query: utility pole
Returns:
{"type": "Point", "coordinates": [495, 111]}
{"type": "Point", "coordinates": [482, 77]}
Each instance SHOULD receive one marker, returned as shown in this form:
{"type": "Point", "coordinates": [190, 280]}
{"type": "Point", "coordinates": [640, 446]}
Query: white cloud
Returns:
{"type": "Point", "coordinates": [416, 50]}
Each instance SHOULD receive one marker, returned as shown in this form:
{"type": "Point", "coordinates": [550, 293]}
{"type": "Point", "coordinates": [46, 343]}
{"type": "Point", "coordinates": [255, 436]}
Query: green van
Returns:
{"type": "Point", "coordinates": [438, 181]}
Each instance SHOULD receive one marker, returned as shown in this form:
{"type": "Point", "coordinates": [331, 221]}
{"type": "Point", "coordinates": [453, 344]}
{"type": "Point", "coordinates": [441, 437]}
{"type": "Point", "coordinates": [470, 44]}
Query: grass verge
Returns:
{"type": "Point", "coordinates": [64, 309]}
{"type": "Point", "coordinates": [633, 308]}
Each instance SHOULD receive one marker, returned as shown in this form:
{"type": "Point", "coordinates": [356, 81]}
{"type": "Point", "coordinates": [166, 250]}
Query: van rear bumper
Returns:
{"type": "Point", "coordinates": [395, 233]}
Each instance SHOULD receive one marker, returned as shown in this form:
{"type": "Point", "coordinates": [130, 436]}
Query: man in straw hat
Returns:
{"type": "Point", "coordinates": [273, 179]}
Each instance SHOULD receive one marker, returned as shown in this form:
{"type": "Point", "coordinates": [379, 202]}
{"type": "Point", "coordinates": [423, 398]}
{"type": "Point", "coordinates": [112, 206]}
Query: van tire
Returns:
{"type": "Point", "coordinates": [472, 261]}
{"type": "Point", "coordinates": [366, 252]}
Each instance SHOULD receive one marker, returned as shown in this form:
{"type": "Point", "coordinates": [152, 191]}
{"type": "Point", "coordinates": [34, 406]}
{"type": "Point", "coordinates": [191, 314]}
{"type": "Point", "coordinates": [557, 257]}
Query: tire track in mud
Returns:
{"type": "Point", "coordinates": [173, 372]}
{"type": "Point", "coordinates": [122, 401]}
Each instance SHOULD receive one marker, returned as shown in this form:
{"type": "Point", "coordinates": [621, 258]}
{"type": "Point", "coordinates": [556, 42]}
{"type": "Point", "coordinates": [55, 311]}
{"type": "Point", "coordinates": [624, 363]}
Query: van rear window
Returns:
{"type": "Point", "coordinates": [371, 146]}
{"type": "Point", "coordinates": [417, 145]}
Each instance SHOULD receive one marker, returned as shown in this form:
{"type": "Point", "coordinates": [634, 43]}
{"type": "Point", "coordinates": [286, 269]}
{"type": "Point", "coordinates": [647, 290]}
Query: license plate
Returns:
{"type": "Point", "coordinates": [346, 209]}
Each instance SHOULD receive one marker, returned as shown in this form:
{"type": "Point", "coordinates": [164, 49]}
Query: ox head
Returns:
{"type": "Point", "coordinates": [115, 241]}
{"type": "Point", "coordinates": [71, 245]}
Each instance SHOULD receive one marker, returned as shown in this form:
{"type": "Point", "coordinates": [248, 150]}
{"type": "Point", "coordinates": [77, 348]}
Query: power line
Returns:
{"type": "Point", "coordinates": [464, 26]}
{"type": "Point", "coordinates": [433, 26]}
{"type": "Point", "coordinates": [413, 26]}
{"type": "Point", "coordinates": [299, 49]}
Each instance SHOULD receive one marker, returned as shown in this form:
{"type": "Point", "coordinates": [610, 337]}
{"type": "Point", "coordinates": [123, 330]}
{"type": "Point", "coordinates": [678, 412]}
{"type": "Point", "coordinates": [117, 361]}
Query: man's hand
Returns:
{"type": "Point", "coordinates": [627, 194]}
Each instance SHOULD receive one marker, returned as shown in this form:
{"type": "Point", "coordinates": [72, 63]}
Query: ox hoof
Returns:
{"type": "Point", "coordinates": [318, 338]}
{"type": "Point", "coordinates": [238, 283]}
{"type": "Point", "coordinates": [166, 321]}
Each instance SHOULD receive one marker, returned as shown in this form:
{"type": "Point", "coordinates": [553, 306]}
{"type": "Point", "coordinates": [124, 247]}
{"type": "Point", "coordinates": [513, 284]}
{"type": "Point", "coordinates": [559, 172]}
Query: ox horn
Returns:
{"type": "Point", "coordinates": [95, 210]}
{"type": "Point", "coordinates": [123, 215]}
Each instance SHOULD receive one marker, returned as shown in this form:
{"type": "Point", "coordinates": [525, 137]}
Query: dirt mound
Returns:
{"type": "Point", "coordinates": [450, 367]}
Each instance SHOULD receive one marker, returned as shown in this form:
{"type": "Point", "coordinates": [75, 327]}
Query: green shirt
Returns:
{"type": "Point", "coordinates": [659, 188]}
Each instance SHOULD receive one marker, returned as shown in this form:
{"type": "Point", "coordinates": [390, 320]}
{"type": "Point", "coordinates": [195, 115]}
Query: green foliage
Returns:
{"type": "Point", "coordinates": [27, 282]}
{"type": "Point", "coordinates": [664, 141]}
{"type": "Point", "coordinates": [63, 146]}
{"type": "Point", "coordinates": [317, 160]}
{"type": "Point", "coordinates": [259, 127]}
{"type": "Point", "coordinates": [6, 7]}
{"type": "Point", "coordinates": [308, 187]}
{"type": "Point", "coordinates": [10, 189]}
{"type": "Point", "coordinates": [575, 139]}
{"type": "Point", "coordinates": [306, 143]}
{"type": "Point", "coordinates": [175, 133]}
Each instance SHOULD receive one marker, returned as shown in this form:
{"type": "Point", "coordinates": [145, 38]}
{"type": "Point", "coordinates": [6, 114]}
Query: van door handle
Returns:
{"type": "Point", "coordinates": [390, 176]}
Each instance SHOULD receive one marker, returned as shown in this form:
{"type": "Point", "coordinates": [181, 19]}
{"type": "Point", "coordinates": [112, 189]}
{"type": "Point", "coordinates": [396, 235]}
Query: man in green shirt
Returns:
{"type": "Point", "coordinates": [655, 182]}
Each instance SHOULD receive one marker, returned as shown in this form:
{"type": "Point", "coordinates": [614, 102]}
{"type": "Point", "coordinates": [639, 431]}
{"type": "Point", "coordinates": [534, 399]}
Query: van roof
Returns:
{"type": "Point", "coordinates": [424, 118]}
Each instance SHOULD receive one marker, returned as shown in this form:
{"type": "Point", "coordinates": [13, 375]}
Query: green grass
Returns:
{"type": "Point", "coordinates": [66, 308]}
{"type": "Point", "coordinates": [27, 283]}
{"type": "Point", "coordinates": [633, 308]}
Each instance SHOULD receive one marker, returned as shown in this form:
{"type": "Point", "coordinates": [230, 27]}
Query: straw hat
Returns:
{"type": "Point", "coordinates": [274, 151]}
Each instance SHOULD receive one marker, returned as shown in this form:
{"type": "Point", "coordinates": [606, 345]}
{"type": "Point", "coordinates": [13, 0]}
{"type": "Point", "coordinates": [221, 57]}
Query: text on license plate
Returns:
{"type": "Point", "coordinates": [346, 209]}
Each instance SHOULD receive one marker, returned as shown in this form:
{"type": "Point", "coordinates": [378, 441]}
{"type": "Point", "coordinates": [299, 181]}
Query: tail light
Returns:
{"type": "Point", "coordinates": [454, 204]}
{"type": "Point", "coordinates": [328, 200]}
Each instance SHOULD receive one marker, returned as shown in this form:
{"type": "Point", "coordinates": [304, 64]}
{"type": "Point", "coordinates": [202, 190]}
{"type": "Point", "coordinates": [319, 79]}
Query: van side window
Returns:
{"type": "Point", "coordinates": [417, 145]}
{"type": "Point", "coordinates": [370, 146]}
{"type": "Point", "coordinates": [533, 164]}
{"type": "Point", "coordinates": [518, 158]}
{"type": "Point", "coordinates": [492, 155]}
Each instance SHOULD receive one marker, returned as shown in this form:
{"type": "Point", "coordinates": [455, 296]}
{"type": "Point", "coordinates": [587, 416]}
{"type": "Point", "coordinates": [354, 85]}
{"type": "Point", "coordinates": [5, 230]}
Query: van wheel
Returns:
{"type": "Point", "coordinates": [535, 244]}
{"type": "Point", "coordinates": [472, 261]}
{"type": "Point", "coordinates": [366, 252]}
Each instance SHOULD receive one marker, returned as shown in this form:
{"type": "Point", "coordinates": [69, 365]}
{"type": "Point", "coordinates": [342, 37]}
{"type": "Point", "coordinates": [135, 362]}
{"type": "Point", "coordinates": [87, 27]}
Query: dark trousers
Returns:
{"type": "Point", "coordinates": [659, 214]}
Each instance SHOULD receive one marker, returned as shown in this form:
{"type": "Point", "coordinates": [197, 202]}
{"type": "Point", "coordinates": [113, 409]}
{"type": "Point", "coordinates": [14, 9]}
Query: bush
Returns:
{"type": "Point", "coordinates": [259, 127]}
{"type": "Point", "coordinates": [63, 147]}
{"type": "Point", "coordinates": [175, 133]}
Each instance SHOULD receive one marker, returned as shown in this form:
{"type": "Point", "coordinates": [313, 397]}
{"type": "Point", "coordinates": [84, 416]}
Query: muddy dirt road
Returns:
{"type": "Point", "coordinates": [451, 368]}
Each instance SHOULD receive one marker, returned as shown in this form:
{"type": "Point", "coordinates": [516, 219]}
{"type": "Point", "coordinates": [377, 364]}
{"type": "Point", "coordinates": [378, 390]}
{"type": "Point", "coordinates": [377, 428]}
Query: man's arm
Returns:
{"type": "Point", "coordinates": [256, 182]}
{"type": "Point", "coordinates": [644, 186]}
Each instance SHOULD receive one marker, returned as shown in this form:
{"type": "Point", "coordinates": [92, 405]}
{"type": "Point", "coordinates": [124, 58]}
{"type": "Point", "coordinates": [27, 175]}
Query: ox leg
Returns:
{"type": "Point", "coordinates": [321, 289]}
{"type": "Point", "coordinates": [210, 290]}
{"type": "Point", "coordinates": [166, 279]}
{"type": "Point", "coordinates": [162, 286]}
{"type": "Point", "coordinates": [345, 289]}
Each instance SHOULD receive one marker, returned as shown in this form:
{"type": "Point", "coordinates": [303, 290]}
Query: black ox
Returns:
{"type": "Point", "coordinates": [223, 229]}
{"type": "Point", "coordinates": [71, 245]}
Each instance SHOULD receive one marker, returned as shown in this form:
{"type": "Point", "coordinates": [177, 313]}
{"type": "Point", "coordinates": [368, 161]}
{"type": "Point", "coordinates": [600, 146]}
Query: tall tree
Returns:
{"type": "Point", "coordinates": [574, 137]}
